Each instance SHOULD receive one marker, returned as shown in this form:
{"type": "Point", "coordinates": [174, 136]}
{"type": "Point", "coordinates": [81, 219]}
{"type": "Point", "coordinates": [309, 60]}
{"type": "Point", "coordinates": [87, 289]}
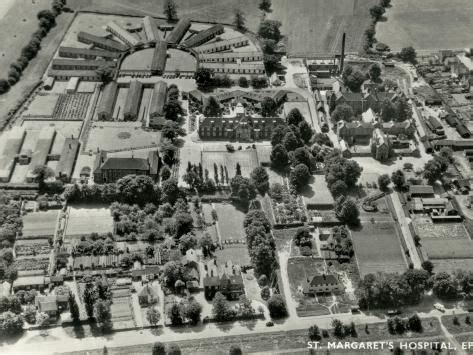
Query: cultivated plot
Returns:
{"type": "Point", "coordinates": [37, 224]}
{"type": "Point", "coordinates": [87, 220]}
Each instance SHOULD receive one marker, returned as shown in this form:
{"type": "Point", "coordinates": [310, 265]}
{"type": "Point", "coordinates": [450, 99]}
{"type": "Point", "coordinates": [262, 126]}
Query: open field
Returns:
{"type": "Point", "coordinates": [427, 24]}
{"type": "Point", "coordinates": [86, 220]}
{"type": "Point", "coordinates": [317, 26]}
{"type": "Point", "coordinates": [237, 253]}
{"type": "Point", "coordinates": [247, 159]}
{"type": "Point", "coordinates": [37, 224]}
{"type": "Point", "coordinates": [230, 222]}
{"type": "Point", "coordinates": [377, 248]}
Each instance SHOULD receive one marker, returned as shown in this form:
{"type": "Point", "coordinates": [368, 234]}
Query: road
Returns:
{"type": "Point", "coordinates": [406, 233]}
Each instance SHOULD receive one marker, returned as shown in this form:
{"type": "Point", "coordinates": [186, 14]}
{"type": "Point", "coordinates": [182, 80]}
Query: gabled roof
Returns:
{"type": "Point", "coordinates": [126, 164]}
{"type": "Point", "coordinates": [421, 189]}
{"type": "Point", "coordinates": [321, 280]}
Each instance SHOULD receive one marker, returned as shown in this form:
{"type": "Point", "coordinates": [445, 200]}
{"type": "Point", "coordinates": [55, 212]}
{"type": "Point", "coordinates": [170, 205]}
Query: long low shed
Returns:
{"type": "Point", "coordinates": [77, 64]}
{"type": "Point", "coordinates": [85, 53]}
{"type": "Point", "coordinates": [151, 29]}
{"type": "Point", "coordinates": [231, 57]}
{"type": "Point", "coordinates": [133, 99]}
{"type": "Point", "coordinates": [158, 64]}
{"type": "Point", "coordinates": [86, 75]}
{"type": "Point", "coordinates": [204, 36]}
{"type": "Point", "coordinates": [125, 36]}
{"type": "Point", "coordinates": [41, 152]}
{"type": "Point", "coordinates": [107, 102]}
{"type": "Point", "coordinates": [179, 31]}
{"type": "Point", "coordinates": [223, 45]}
{"type": "Point", "coordinates": [67, 160]}
{"type": "Point", "coordinates": [158, 100]}
{"type": "Point", "coordinates": [235, 68]}
{"type": "Point", "coordinates": [13, 143]}
{"type": "Point", "coordinates": [101, 42]}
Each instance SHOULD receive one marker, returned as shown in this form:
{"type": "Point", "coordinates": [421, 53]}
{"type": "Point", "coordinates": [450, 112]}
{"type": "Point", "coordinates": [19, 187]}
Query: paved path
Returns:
{"type": "Point", "coordinates": [451, 338]}
{"type": "Point", "coordinates": [406, 232]}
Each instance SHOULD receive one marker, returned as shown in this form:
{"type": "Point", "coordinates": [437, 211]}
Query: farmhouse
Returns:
{"type": "Point", "coordinates": [203, 36]}
{"type": "Point", "coordinates": [13, 143]}
{"type": "Point", "coordinates": [158, 100]}
{"type": "Point", "coordinates": [179, 31]}
{"type": "Point", "coordinates": [227, 280]}
{"type": "Point", "coordinates": [122, 34]}
{"type": "Point", "coordinates": [231, 57]}
{"type": "Point", "coordinates": [147, 296]}
{"type": "Point", "coordinates": [158, 63]}
{"type": "Point", "coordinates": [48, 305]}
{"type": "Point", "coordinates": [67, 160]}
{"type": "Point", "coordinates": [223, 45]}
{"type": "Point", "coordinates": [151, 30]}
{"type": "Point", "coordinates": [132, 103]}
{"type": "Point", "coordinates": [107, 102]}
{"type": "Point", "coordinates": [235, 68]}
{"type": "Point", "coordinates": [110, 169]}
{"type": "Point", "coordinates": [242, 127]}
{"type": "Point", "coordinates": [101, 42]}
{"type": "Point", "coordinates": [41, 152]}
{"type": "Point", "coordinates": [322, 284]}
{"type": "Point", "coordinates": [73, 64]}
{"type": "Point", "coordinates": [355, 132]}
{"type": "Point", "coordinates": [87, 75]}
{"type": "Point", "coordinates": [85, 53]}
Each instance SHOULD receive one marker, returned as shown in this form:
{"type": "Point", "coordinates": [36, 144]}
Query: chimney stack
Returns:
{"type": "Point", "coordinates": [342, 56]}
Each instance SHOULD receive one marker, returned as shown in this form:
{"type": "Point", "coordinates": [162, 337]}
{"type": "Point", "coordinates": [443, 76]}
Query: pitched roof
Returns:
{"type": "Point", "coordinates": [126, 164]}
{"type": "Point", "coordinates": [320, 280]}
{"type": "Point", "coordinates": [421, 189]}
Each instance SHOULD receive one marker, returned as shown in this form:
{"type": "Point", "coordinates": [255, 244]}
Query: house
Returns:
{"type": "Point", "coordinates": [242, 127]}
{"type": "Point", "coordinates": [424, 191]}
{"type": "Point", "coordinates": [110, 169]}
{"type": "Point", "coordinates": [48, 305]}
{"type": "Point", "coordinates": [405, 128]}
{"type": "Point", "coordinates": [355, 132]}
{"type": "Point", "coordinates": [322, 284]}
{"type": "Point", "coordinates": [380, 145]}
{"type": "Point", "coordinates": [147, 296]}
{"type": "Point", "coordinates": [149, 272]}
{"type": "Point", "coordinates": [226, 279]}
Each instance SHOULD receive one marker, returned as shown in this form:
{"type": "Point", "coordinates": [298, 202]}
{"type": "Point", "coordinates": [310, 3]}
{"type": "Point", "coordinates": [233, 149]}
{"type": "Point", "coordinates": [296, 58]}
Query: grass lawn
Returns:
{"type": "Point", "coordinates": [426, 229]}
{"type": "Point", "coordinates": [86, 220]}
{"type": "Point", "coordinates": [462, 325]}
{"type": "Point", "coordinates": [237, 253]}
{"type": "Point", "coordinates": [37, 224]}
{"type": "Point", "coordinates": [230, 222]}
{"type": "Point", "coordinates": [427, 24]}
{"type": "Point", "coordinates": [377, 248]}
{"type": "Point", "coordinates": [247, 159]}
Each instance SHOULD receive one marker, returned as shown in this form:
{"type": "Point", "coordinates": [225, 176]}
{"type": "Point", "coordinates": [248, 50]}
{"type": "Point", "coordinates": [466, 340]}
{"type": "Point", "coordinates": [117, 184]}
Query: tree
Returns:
{"type": "Point", "coordinates": [428, 266]}
{"type": "Point", "coordinates": [343, 112]}
{"type": "Point", "coordinates": [203, 77]}
{"type": "Point", "coordinates": [398, 179]}
{"type": "Point", "coordinates": [260, 179]}
{"type": "Point", "coordinates": [339, 188]}
{"type": "Point", "coordinates": [383, 182]}
{"type": "Point", "coordinates": [377, 12]}
{"type": "Point", "coordinates": [175, 313]}
{"type": "Point", "coordinates": [408, 54]}
{"type": "Point", "coordinates": [165, 173]}
{"type": "Point", "coordinates": [41, 174]}
{"type": "Point", "coordinates": [447, 154]}
{"type": "Point", "coordinates": [338, 329]}
{"type": "Point", "coordinates": [172, 110]}
{"type": "Point", "coordinates": [265, 5]}
{"type": "Point", "coordinates": [374, 72]}
{"type": "Point", "coordinates": [444, 286]}
{"type": "Point", "coordinates": [235, 350]}
{"type": "Point", "coordinates": [74, 308]}
{"type": "Point", "coordinates": [136, 189]}
{"type": "Point", "coordinates": [105, 73]}
{"type": "Point", "coordinates": [158, 349]}
{"type": "Point", "coordinates": [306, 131]}
{"type": "Point", "coordinates": [174, 350]}
{"type": "Point", "coordinates": [4, 86]}
{"type": "Point", "coordinates": [102, 313]}
{"type": "Point", "coordinates": [193, 311]}
{"type": "Point", "coordinates": [355, 80]}
{"type": "Point", "coordinates": [170, 10]}
{"type": "Point", "coordinates": [303, 238]}
{"type": "Point", "coordinates": [414, 323]}
{"type": "Point", "coordinates": [268, 107]}
{"type": "Point", "coordinates": [262, 255]}
{"type": "Point", "coordinates": [294, 117]}
{"type": "Point", "coordinates": [434, 169]}
{"type": "Point", "coordinates": [153, 316]}
{"type": "Point", "coordinates": [278, 135]}
{"type": "Point", "coordinates": [346, 210]}
{"type": "Point", "coordinates": [299, 176]}
{"type": "Point", "coordinates": [277, 306]}
{"type": "Point", "coordinates": [89, 297]}
{"type": "Point", "coordinates": [301, 155]}
{"type": "Point", "coordinates": [270, 29]}
{"type": "Point", "coordinates": [242, 188]}
{"type": "Point", "coordinates": [245, 307]}
{"type": "Point", "coordinates": [279, 157]}
{"type": "Point", "coordinates": [221, 309]}
{"type": "Point", "coordinates": [212, 109]}
{"type": "Point", "coordinates": [314, 333]}
{"type": "Point", "coordinates": [403, 110]}
{"type": "Point", "coordinates": [388, 110]}
{"type": "Point", "coordinates": [291, 141]}
{"type": "Point", "coordinates": [42, 318]}
{"type": "Point", "coordinates": [10, 324]}
{"type": "Point", "coordinates": [243, 82]}
{"type": "Point", "coordinates": [207, 244]}
{"type": "Point", "coordinates": [239, 20]}
{"type": "Point", "coordinates": [170, 191]}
